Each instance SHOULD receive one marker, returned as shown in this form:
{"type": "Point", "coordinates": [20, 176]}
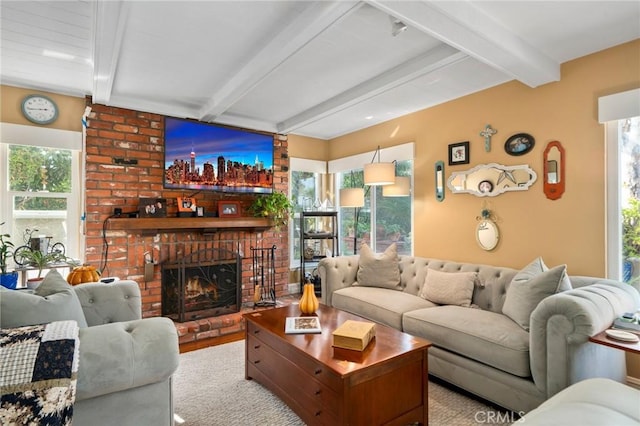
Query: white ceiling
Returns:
{"type": "Point", "coordinates": [314, 68]}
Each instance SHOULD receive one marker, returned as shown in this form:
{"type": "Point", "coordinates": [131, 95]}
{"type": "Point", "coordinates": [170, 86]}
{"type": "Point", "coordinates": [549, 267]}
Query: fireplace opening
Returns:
{"type": "Point", "coordinates": [206, 283]}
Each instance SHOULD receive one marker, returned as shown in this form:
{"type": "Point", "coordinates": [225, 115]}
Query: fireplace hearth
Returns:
{"type": "Point", "coordinates": [204, 284]}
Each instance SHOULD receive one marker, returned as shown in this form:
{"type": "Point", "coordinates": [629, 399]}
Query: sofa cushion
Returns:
{"type": "Point", "coordinates": [487, 337]}
{"type": "Point", "coordinates": [53, 300]}
{"type": "Point", "coordinates": [523, 296]}
{"type": "Point", "coordinates": [379, 270]}
{"type": "Point", "coordinates": [449, 288]}
{"type": "Point", "coordinates": [378, 304]}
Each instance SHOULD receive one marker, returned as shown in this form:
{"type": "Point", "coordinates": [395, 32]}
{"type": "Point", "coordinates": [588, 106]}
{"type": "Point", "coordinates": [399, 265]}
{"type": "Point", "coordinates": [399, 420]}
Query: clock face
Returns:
{"type": "Point", "coordinates": [39, 109]}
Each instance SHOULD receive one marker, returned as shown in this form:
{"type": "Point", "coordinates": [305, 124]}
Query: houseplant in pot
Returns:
{"type": "Point", "coordinates": [275, 206]}
{"type": "Point", "coordinates": [7, 279]}
{"type": "Point", "coordinates": [39, 260]}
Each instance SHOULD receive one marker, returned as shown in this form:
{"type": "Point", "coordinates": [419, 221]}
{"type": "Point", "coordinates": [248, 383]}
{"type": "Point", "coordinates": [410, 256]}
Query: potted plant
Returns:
{"type": "Point", "coordinates": [39, 260]}
{"type": "Point", "coordinates": [7, 279]}
{"type": "Point", "coordinates": [275, 206]}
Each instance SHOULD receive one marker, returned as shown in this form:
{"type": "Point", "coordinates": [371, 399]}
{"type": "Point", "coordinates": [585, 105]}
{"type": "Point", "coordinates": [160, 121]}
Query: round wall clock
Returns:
{"type": "Point", "coordinates": [39, 109]}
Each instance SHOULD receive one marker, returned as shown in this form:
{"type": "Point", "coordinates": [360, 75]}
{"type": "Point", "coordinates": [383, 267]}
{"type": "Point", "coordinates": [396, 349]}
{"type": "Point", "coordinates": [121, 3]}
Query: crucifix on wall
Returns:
{"type": "Point", "coordinates": [486, 134]}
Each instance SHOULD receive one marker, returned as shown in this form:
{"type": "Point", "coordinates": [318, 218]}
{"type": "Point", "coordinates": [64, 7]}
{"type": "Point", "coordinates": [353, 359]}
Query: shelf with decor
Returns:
{"type": "Point", "coordinates": [318, 239]}
{"type": "Point", "coordinates": [153, 225]}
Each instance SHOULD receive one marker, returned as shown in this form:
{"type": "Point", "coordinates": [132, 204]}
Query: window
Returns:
{"type": "Point", "coordinates": [621, 113]}
{"type": "Point", "coordinates": [309, 187]}
{"type": "Point", "coordinates": [41, 186]}
{"type": "Point", "coordinates": [383, 220]}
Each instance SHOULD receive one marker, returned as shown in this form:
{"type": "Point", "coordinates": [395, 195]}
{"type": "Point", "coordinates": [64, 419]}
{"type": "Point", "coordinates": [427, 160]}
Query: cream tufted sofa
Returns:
{"type": "Point", "coordinates": [482, 350]}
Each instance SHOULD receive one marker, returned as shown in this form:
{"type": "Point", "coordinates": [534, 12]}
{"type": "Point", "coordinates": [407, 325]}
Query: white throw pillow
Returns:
{"type": "Point", "coordinates": [523, 296]}
{"type": "Point", "coordinates": [449, 288]}
{"type": "Point", "coordinates": [379, 270]}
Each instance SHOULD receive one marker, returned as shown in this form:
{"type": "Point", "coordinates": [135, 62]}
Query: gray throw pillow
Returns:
{"type": "Point", "coordinates": [53, 300]}
{"type": "Point", "coordinates": [449, 288]}
{"type": "Point", "coordinates": [537, 267]}
{"type": "Point", "coordinates": [379, 270]}
{"type": "Point", "coordinates": [523, 296]}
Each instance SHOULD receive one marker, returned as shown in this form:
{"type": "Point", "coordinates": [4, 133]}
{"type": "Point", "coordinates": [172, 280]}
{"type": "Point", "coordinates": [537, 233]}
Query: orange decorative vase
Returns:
{"type": "Point", "coordinates": [308, 302]}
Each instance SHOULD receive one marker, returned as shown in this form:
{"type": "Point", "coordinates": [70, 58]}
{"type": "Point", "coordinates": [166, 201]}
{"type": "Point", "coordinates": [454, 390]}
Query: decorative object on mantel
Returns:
{"type": "Point", "coordinates": [553, 176]}
{"type": "Point", "coordinates": [487, 234]}
{"type": "Point", "coordinates": [309, 302]}
{"type": "Point", "coordinates": [486, 134]}
{"type": "Point", "coordinates": [152, 207]}
{"type": "Point", "coordinates": [186, 206]}
{"type": "Point", "coordinates": [503, 179]}
{"type": "Point", "coordinates": [519, 144]}
{"type": "Point", "coordinates": [275, 206]}
{"type": "Point", "coordinates": [459, 153]}
{"type": "Point", "coordinates": [229, 208]}
{"type": "Point", "coordinates": [439, 180]}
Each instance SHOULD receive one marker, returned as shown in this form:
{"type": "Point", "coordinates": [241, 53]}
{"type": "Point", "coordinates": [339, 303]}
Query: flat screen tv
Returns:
{"type": "Point", "coordinates": [200, 156]}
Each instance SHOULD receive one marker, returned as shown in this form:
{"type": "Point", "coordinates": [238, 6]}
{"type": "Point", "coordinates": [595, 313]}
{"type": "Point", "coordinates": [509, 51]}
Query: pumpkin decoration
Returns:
{"type": "Point", "coordinates": [83, 274]}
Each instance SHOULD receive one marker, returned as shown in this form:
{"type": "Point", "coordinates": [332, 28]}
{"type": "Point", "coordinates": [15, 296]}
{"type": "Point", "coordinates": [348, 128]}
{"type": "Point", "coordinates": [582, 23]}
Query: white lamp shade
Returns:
{"type": "Point", "coordinates": [379, 174]}
{"type": "Point", "coordinates": [398, 189]}
{"type": "Point", "coordinates": [352, 197]}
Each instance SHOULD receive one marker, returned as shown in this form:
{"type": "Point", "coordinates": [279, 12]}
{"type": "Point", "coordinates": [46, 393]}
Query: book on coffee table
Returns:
{"type": "Point", "coordinates": [302, 325]}
{"type": "Point", "coordinates": [354, 335]}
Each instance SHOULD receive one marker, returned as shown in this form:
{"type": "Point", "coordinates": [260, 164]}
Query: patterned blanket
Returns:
{"type": "Point", "coordinates": [38, 374]}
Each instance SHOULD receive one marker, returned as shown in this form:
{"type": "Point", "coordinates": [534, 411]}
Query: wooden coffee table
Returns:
{"type": "Point", "coordinates": [384, 384]}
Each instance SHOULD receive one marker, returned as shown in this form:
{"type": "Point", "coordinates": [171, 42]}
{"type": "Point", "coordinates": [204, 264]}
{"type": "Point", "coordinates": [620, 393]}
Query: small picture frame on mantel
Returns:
{"type": "Point", "coordinates": [459, 153]}
{"type": "Point", "coordinates": [229, 209]}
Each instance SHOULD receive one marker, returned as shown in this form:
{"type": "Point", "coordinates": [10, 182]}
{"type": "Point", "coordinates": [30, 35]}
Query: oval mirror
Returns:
{"type": "Point", "coordinates": [489, 180]}
{"type": "Point", "coordinates": [487, 234]}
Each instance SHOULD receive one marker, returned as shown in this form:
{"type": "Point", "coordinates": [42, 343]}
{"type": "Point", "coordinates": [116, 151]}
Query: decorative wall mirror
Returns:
{"type": "Point", "coordinates": [554, 176]}
{"type": "Point", "coordinates": [439, 180]}
{"type": "Point", "coordinates": [487, 234]}
{"type": "Point", "coordinates": [489, 180]}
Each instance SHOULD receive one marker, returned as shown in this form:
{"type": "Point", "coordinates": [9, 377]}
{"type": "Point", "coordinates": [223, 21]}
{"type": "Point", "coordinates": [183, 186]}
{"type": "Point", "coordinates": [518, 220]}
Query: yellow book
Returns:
{"type": "Point", "coordinates": [354, 335]}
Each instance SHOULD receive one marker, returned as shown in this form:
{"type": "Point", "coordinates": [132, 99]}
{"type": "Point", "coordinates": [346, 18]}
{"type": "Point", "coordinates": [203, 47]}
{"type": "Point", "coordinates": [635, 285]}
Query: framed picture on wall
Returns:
{"type": "Point", "coordinates": [229, 209]}
{"type": "Point", "coordinates": [459, 153]}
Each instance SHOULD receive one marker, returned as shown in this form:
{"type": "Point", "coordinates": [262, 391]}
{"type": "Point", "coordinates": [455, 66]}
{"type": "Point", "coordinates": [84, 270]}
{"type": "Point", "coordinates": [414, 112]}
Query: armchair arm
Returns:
{"type": "Point", "coordinates": [124, 355]}
{"type": "Point", "coordinates": [106, 303]}
{"type": "Point", "coordinates": [336, 273]}
{"type": "Point", "coordinates": [560, 351]}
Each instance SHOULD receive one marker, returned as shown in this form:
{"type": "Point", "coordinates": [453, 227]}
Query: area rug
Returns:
{"type": "Point", "coordinates": [210, 390]}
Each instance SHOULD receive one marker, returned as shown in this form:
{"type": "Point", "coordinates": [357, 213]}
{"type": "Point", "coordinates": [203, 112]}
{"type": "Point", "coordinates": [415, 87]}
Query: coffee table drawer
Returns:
{"type": "Point", "coordinates": [317, 398]}
{"type": "Point", "coordinates": [308, 366]}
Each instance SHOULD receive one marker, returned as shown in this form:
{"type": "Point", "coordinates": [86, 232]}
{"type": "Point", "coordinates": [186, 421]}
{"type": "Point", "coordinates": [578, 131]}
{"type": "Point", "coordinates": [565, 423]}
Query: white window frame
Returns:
{"type": "Point", "coordinates": [16, 134]}
{"type": "Point", "coordinates": [612, 108]}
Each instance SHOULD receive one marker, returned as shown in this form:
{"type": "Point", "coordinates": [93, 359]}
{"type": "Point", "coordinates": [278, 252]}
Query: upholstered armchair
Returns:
{"type": "Point", "coordinates": [125, 364]}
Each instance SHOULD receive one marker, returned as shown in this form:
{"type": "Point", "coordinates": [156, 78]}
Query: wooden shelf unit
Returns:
{"type": "Point", "coordinates": [154, 225]}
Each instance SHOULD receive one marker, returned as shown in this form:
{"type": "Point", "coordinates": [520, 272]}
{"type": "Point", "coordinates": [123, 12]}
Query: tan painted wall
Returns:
{"type": "Point", "coordinates": [70, 109]}
{"type": "Point", "coordinates": [570, 230]}
{"type": "Point", "coordinates": [308, 148]}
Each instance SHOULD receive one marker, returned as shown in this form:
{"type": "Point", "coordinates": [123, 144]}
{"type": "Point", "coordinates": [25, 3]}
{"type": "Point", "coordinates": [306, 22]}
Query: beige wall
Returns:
{"type": "Point", "coordinates": [570, 230]}
{"type": "Point", "coordinates": [308, 148]}
{"type": "Point", "coordinates": [70, 109]}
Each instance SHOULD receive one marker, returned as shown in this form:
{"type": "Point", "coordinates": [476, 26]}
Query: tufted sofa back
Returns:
{"type": "Point", "coordinates": [490, 289]}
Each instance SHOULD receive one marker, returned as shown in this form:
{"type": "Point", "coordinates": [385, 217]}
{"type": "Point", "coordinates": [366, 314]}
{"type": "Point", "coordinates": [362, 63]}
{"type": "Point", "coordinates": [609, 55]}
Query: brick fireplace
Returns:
{"type": "Point", "coordinates": [114, 134]}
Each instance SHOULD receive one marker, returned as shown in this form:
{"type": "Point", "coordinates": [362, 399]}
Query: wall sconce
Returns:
{"type": "Point", "coordinates": [379, 173]}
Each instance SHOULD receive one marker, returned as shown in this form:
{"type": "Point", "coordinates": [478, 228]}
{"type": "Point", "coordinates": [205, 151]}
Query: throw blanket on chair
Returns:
{"type": "Point", "coordinates": [38, 374]}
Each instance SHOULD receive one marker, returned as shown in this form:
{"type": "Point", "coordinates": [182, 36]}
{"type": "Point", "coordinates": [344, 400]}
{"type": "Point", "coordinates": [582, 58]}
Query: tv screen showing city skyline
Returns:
{"type": "Point", "coordinates": [201, 156]}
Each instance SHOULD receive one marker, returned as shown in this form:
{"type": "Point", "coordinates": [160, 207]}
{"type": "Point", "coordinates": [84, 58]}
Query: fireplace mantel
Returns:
{"type": "Point", "coordinates": [154, 225]}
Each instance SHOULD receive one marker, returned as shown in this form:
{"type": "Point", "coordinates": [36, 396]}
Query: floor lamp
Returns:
{"type": "Point", "coordinates": [353, 197]}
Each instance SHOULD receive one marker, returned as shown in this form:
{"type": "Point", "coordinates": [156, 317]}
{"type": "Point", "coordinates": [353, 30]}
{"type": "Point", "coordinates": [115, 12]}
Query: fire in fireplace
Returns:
{"type": "Point", "coordinates": [204, 284]}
